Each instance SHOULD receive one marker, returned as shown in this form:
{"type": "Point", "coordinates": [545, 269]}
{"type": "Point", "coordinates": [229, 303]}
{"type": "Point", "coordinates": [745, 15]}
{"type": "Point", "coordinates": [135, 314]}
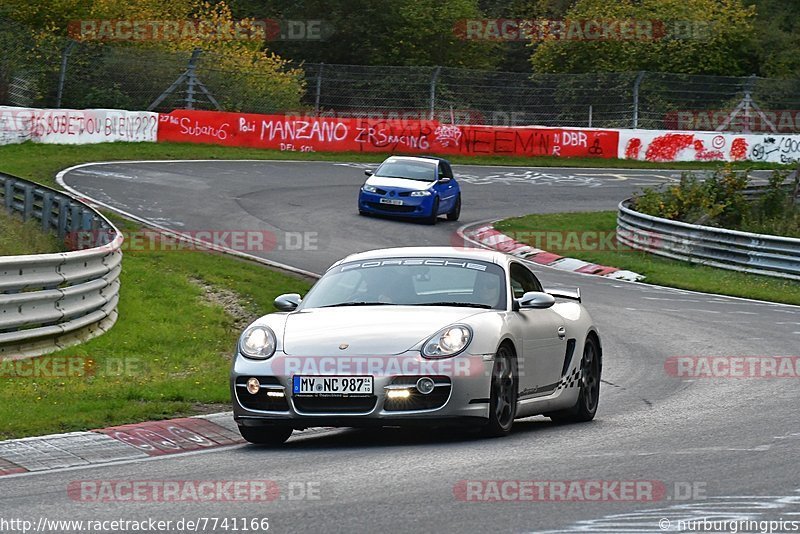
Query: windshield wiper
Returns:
{"type": "Point", "coordinates": [358, 303]}
{"type": "Point", "coordinates": [458, 304]}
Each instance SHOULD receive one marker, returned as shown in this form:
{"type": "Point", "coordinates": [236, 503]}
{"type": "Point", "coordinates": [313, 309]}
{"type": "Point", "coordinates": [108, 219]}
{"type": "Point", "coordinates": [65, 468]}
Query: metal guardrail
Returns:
{"type": "Point", "coordinates": [50, 301]}
{"type": "Point", "coordinates": [718, 247]}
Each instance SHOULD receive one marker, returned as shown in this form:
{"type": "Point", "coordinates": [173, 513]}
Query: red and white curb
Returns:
{"type": "Point", "coordinates": [137, 441]}
{"type": "Point", "coordinates": [487, 236]}
{"type": "Point", "coordinates": [119, 443]}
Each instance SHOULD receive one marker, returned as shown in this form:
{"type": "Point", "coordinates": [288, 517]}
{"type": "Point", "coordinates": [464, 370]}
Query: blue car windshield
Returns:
{"type": "Point", "coordinates": [411, 282]}
{"type": "Point", "coordinates": [412, 170]}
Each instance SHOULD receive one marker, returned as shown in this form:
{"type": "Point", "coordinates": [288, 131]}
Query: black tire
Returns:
{"type": "Point", "coordinates": [434, 212]}
{"type": "Point", "coordinates": [266, 435]}
{"type": "Point", "coordinates": [455, 213]}
{"type": "Point", "coordinates": [503, 396]}
{"type": "Point", "coordinates": [589, 395]}
{"type": "Point", "coordinates": [363, 213]}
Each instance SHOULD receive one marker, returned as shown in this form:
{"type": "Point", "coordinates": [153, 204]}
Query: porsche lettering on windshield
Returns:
{"type": "Point", "coordinates": [416, 261]}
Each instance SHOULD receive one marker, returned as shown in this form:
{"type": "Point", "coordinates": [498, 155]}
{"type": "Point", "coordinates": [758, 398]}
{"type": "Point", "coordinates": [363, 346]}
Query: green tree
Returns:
{"type": "Point", "coordinates": [719, 40]}
{"type": "Point", "coordinates": [244, 71]}
{"type": "Point", "coordinates": [380, 32]}
{"type": "Point", "coordinates": [777, 40]}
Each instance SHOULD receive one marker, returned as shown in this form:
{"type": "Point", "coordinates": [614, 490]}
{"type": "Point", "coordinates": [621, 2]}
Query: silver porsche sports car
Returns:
{"type": "Point", "coordinates": [429, 335]}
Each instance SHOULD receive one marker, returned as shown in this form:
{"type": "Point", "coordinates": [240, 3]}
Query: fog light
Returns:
{"type": "Point", "coordinates": [425, 385]}
{"type": "Point", "coordinates": [398, 394]}
{"type": "Point", "coordinates": [253, 386]}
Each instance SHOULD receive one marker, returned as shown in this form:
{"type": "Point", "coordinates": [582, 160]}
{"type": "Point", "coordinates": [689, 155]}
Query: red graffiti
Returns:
{"type": "Point", "coordinates": [632, 149]}
{"type": "Point", "coordinates": [667, 147]}
{"type": "Point", "coordinates": [701, 154]}
{"type": "Point", "coordinates": [739, 149]}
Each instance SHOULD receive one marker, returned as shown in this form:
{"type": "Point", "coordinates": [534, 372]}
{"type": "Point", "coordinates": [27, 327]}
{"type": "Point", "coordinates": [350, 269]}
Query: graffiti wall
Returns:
{"type": "Point", "coordinates": [664, 146]}
{"type": "Point", "coordinates": [375, 133]}
{"type": "Point", "coordinates": [67, 126]}
{"type": "Point", "coordinates": [311, 134]}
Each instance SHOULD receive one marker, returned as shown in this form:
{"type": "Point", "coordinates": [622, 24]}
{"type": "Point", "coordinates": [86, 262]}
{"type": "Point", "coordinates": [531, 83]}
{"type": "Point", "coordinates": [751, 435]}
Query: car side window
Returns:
{"type": "Point", "coordinates": [523, 280]}
{"type": "Point", "coordinates": [444, 170]}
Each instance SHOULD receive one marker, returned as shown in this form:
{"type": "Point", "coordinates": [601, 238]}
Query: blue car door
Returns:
{"type": "Point", "coordinates": [447, 189]}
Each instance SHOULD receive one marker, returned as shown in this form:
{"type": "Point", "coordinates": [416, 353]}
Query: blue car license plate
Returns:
{"type": "Point", "coordinates": [392, 201]}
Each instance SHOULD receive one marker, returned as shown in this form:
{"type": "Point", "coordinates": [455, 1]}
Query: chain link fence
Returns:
{"type": "Point", "coordinates": [57, 72]}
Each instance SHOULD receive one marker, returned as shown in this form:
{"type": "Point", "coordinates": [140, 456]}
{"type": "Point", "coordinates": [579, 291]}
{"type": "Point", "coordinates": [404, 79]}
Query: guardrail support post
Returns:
{"type": "Point", "coordinates": [47, 211]}
{"type": "Point", "coordinates": [27, 206]}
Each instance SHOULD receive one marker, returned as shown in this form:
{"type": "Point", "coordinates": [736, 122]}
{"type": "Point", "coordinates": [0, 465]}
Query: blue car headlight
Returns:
{"type": "Point", "coordinates": [425, 193]}
{"type": "Point", "coordinates": [369, 189]}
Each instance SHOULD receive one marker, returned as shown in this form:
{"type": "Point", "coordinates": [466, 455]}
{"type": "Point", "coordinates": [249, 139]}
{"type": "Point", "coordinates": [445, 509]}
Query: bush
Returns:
{"type": "Point", "coordinates": [720, 201]}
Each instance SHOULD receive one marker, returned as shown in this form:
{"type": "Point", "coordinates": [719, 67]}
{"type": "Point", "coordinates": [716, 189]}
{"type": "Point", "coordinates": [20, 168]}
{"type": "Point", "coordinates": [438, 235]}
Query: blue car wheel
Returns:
{"type": "Point", "coordinates": [434, 212]}
{"type": "Point", "coordinates": [455, 213]}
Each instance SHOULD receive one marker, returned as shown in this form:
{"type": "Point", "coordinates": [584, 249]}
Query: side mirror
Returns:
{"type": "Point", "coordinates": [536, 300]}
{"type": "Point", "coordinates": [287, 302]}
{"type": "Point", "coordinates": [369, 172]}
{"type": "Point", "coordinates": [444, 180]}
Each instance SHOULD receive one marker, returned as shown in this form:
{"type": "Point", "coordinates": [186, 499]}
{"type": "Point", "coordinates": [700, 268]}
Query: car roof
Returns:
{"type": "Point", "coordinates": [434, 252]}
{"type": "Point", "coordinates": [419, 159]}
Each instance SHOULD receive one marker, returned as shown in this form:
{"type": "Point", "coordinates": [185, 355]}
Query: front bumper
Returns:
{"type": "Point", "coordinates": [461, 393]}
{"type": "Point", "coordinates": [411, 207]}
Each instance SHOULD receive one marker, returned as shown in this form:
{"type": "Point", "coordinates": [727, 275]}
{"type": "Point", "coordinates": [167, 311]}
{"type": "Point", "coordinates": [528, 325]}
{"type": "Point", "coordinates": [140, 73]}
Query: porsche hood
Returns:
{"type": "Point", "coordinates": [367, 331]}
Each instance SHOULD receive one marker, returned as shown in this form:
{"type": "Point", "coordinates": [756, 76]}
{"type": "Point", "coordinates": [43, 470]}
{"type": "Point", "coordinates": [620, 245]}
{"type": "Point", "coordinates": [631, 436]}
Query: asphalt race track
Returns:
{"type": "Point", "coordinates": [735, 441]}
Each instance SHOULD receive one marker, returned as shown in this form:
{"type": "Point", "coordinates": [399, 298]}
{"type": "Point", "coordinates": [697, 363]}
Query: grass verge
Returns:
{"type": "Point", "coordinates": [180, 314]}
{"type": "Point", "coordinates": [553, 233]}
{"type": "Point", "coordinates": [18, 237]}
{"type": "Point", "coordinates": [167, 356]}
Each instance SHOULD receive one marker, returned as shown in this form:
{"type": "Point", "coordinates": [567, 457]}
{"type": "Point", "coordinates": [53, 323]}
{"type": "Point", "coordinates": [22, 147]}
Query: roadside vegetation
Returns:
{"type": "Point", "coordinates": [168, 355]}
{"type": "Point", "coordinates": [18, 237]}
{"type": "Point", "coordinates": [720, 201]}
{"type": "Point", "coordinates": [535, 229]}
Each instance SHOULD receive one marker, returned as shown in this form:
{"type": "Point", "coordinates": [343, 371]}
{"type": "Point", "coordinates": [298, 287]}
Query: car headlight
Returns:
{"type": "Point", "coordinates": [369, 188]}
{"type": "Point", "coordinates": [447, 342]}
{"type": "Point", "coordinates": [258, 342]}
{"type": "Point", "coordinates": [424, 193]}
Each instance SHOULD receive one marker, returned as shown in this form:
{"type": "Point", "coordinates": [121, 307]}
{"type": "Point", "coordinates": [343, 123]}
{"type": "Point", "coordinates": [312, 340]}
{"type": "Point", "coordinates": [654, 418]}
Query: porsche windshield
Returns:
{"type": "Point", "coordinates": [411, 282]}
{"type": "Point", "coordinates": [410, 169]}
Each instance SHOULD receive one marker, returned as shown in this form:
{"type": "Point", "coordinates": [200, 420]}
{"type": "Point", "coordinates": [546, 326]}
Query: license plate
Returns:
{"type": "Point", "coordinates": [392, 201]}
{"type": "Point", "coordinates": [332, 385]}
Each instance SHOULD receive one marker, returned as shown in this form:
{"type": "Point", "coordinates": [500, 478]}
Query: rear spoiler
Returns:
{"type": "Point", "coordinates": [565, 293]}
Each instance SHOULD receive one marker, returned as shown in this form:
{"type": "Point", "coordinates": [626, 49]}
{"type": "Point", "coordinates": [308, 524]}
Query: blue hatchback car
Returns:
{"type": "Point", "coordinates": [419, 187]}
